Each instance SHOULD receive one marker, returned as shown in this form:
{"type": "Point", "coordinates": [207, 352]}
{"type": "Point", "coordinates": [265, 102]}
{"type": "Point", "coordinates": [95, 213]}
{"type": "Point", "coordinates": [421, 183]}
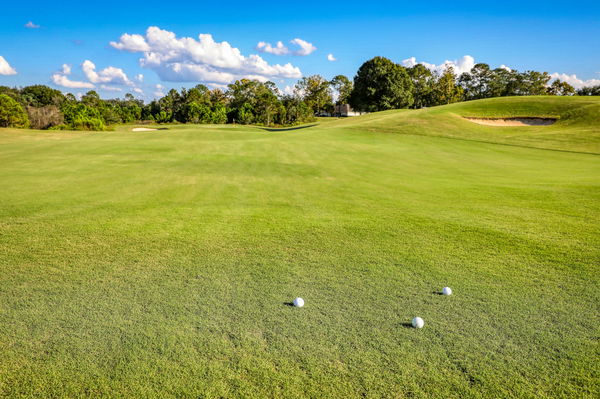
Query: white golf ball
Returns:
{"type": "Point", "coordinates": [447, 291]}
{"type": "Point", "coordinates": [298, 302]}
{"type": "Point", "coordinates": [418, 322]}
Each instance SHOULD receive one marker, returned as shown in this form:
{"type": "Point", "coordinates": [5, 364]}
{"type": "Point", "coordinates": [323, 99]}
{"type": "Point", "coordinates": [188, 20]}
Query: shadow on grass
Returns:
{"type": "Point", "coordinates": [437, 293]}
{"type": "Point", "coordinates": [289, 304]}
{"type": "Point", "coordinates": [407, 325]}
{"type": "Point", "coordinates": [285, 129]}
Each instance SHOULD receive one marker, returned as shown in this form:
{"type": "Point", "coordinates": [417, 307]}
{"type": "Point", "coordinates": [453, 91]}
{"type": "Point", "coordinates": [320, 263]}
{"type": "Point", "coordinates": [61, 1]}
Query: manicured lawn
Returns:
{"type": "Point", "coordinates": [161, 264]}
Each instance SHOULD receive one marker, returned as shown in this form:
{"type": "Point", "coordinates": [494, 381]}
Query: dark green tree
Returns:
{"type": "Point", "coordinates": [423, 83]}
{"type": "Point", "coordinates": [381, 84]}
{"type": "Point", "coordinates": [41, 96]}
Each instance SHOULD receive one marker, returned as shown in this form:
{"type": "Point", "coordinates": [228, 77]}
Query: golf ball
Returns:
{"type": "Point", "coordinates": [298, 302]}
{"type": "Point", "coordinates": [418, 322]}
{"type": "Point", "coordinates": [447, 291]}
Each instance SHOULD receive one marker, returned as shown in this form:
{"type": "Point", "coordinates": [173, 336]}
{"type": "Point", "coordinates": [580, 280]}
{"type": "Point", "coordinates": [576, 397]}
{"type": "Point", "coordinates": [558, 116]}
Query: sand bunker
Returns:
{"type": "Point", "coordinates": [142, 129]}
{"type": "Point", "coordinates": [513, 121]}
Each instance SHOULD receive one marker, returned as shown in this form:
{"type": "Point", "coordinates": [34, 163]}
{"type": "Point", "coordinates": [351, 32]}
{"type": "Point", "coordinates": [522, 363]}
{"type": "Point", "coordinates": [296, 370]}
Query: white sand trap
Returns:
{"type": "Point", "coordinates": [513, 121]}
{"type": "Point", "coordinates": [142, 129]}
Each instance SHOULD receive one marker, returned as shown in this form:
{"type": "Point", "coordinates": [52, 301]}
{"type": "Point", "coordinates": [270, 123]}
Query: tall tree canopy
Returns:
{"type": "Point", "coordinates": [316, 93]}
{"type": "Point", "coordinates": [343, 86]}
{"type": "Point", "coordinates": [381, 84]}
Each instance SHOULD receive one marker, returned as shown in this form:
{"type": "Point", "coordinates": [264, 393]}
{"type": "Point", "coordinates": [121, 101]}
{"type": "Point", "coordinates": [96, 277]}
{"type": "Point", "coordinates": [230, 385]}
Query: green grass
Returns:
{"type": "Point", "coordinates": [159, 264]}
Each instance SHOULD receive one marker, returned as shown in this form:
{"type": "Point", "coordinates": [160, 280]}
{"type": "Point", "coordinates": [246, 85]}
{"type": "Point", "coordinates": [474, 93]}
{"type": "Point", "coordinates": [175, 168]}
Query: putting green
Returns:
{"type": "Point", "coordinates": [162, 263]}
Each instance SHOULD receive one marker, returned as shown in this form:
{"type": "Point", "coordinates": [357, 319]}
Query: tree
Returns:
{"type": "Point", "coordinates": [446, 91]}
{"type": "Point", "coordinates": [423, 83]}
{"type": "Point", "coordinates": [295, 110]}
{"type": "Point", "coordinates": [251, 101]}
{"type": "Point", "coordinates": [589, 91]}
{"type": "Point", "coordinates": [11, 113]}
{"type": "Point", "coordinates": [560, 88]}
{"type": "Point", "coordinates": [41, 96]}
{"type": "Point", "coordinates": [476, 83]}
{"type": "Point", "coordinates": [316, 93]}
{"type": "Point", "coordinates": [533, 83]}
{"type": "Point", "coordinates": [343, 86]}
{"type": "Point", "coordinates": [80, 116]}
{"type": "Point", "coordinates": [381, 84]}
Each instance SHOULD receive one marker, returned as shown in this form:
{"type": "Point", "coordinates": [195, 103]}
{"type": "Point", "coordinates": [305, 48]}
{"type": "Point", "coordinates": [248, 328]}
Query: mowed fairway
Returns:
{"type": "Point", "coordinates": [162, 264]}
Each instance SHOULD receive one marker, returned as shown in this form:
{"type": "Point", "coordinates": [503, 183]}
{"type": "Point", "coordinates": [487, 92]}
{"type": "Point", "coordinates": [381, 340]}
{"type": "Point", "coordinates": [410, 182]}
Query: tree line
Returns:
{"type": "Point", "coordinates": [379, 84]}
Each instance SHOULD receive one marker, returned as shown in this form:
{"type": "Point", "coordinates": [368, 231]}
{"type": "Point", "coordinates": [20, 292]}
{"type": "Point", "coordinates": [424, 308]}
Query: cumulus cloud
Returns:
{"type": "Point", "coordinates": [31, 25]}
{"type": "Point", "coordinates": [159, 90]}
{"type": "Point", "coordinates": [288, 90]}
{"type": "Point", "coordinates": [463, 64]}
{"type": "Point", "coordinates": [5, 68]}
{"type": "Point", "coordinates": [278, 49]}
{"type": "Point", "coordinates": [185, 59]}
{"type": "Point", "coordinates": [106, 78]}
{"type": "Point", "coordinates": [62, 80]}
{"type": "Point", "coordinates": [139, 77]}
{"type": "Point", "coordinates": [330, 57]}
{"type": "Point", "coordinates": [466, 63]}
{"type": "Point", "coordinates": [574, 81]}
{"type": "Point", "coordinates": [107, 75]}
{"type": "Point", "coordinates": [306, 48]}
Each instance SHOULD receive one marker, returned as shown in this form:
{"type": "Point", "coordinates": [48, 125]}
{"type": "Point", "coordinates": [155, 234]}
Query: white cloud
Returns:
{"type": "Point", "coordinates": [110, 88]}
{"type": "Point", "coordinates": [186, 59]}
{"type": "Point", "coordinates": [5, 68]}
{"type": "Point", "coordinates": [279, 48]}
{"type": "Point", "coordinates": [330, 57]}
{"type": "Point", "coordinates": [574, 81]}
{"type": "Point", "coordinates": [464, 64]}
{"type": "Point", "coordinates": [107, 75]}
{"type": "Point", "coordinates": [132, 43]}
{"type": "Point", "coordinates": [159, 91]}
{"type": "Point", "coordinates": [31, 25]}
{"type": "Point", "coordinates": [306, 48]}
{"type": "Point", "coordinates": [505, 68]}
{"type": "Point", "coordinates": [139, 77]}
{"type": "Point", "coordinates": [62, 80]}
{"type": "Point", "coordinates": [288, 90]}
{"type": "Point", "coordinates": [138, 90]}
{"type": "Point", "coordinates": [107, 78]}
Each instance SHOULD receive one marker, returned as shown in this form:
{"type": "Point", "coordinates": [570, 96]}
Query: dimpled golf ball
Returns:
{"type": "Point", "coordinates": [447, 291]}
{"type": "Point", "coordinates": [298, 302]}
{"type": "Point", "coordinates": [418, 322]}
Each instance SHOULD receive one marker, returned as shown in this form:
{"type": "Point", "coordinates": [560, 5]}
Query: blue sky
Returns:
{"type": "Point", "coordinates": [562, 38]}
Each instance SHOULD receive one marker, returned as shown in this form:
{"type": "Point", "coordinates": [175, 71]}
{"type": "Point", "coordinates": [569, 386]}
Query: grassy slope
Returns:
{"type": "Point", "coordinates": [159, 264]}
{"type": "Point", "coordinates": [578, 128]}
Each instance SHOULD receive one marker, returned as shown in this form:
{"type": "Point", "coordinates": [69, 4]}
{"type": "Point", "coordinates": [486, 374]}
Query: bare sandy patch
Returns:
{"type": "Point", "coordinates": [513, 121]}
{"type": "Point", "coordinates": [142, 129]}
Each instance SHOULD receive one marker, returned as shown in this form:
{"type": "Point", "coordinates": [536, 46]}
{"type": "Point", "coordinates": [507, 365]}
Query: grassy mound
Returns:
{"type": "Point", "coordinates": [577, 129]}
{"type": "Point", "coordinates": [159, 264]}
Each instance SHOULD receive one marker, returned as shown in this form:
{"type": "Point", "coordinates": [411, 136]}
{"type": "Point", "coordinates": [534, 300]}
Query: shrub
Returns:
{"type": "Point", "coordinates": [45, 117]}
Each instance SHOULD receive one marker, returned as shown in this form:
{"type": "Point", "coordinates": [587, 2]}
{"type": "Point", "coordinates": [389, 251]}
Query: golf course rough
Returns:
{"type": "Point", "coordinates": [162, 263]}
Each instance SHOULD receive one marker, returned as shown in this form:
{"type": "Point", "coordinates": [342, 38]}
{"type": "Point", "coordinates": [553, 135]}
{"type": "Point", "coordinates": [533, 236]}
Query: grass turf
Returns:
{"type": "Point", "coordinates": [162, 264]}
